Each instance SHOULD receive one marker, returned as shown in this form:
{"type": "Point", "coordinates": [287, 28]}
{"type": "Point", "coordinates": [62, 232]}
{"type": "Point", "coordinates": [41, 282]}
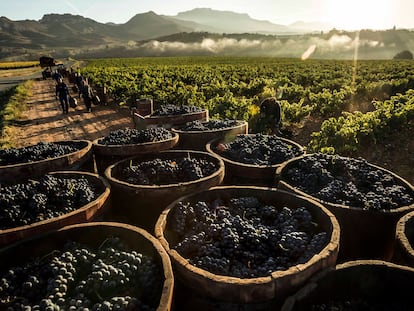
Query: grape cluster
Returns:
{"type": "Point", "coordinates": [348, 181]}
{"type": "Point", "coordinates": [80, 277]}
{"type": "Point", "coordinates": [258, 149]}
{"type": "Point", "coordinates": [48, 197]}
{"type": "Point", "coordinates": [168, 171]}
{"type": "Point", "coordinates": [198, 126]}
{"type": "Point", "coordinates": [167, 110]}
{"type": "Point", "coordinates": [40, 151]}
{"type": "Point", "coordinates": [133, 136]}
{"type": "Point", "coordinates": [359, 303]}
{"type": "Point", "coordinates": [241, 237]}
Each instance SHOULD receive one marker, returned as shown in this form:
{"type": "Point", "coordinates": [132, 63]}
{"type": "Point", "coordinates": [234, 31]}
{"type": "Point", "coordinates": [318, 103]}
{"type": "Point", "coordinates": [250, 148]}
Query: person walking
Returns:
{"type": "Point", "coordinates": [79, 82]}
{"type": "Point", "coordinates": [62, 93]}
{"type": "Point", "coordinates": [57, 76]}
{"type": "Point", "coordinates": [87, 95]}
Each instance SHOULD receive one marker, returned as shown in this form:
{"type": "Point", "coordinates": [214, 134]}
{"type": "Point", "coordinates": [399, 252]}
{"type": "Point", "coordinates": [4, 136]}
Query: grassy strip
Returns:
{"type": "Point", "coordinates": [18, 65]}
{"type": "Point", "coordinates": [12, 106]}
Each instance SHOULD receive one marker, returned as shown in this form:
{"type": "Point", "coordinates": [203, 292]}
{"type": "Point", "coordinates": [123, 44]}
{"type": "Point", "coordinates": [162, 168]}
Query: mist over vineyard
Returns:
{"type": "Point", "coordinates": [335, 45]}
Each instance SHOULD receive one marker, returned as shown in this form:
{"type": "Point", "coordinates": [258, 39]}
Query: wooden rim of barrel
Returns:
{"type": "Point", "coordinates": [131, 149]}
{"type": "Point", "coordinates": [354, 263]}
{"type": "Point", "coordinates": [197, 140]}
{"type": "Point", "coordinates": [67, 231]}
{"type": "Point", "coordinates": [51, 164]}
{"type": "Point", "coordinates": [286, 186]}
{"type": "Point", "coordinates": [215, 142]}
{"type": "Point", "coordinates": [404, 244]}
{"type": "Point", "coordinates": [312, 284]}
{"type": "Point", "coordinates": [71, 156]}
{"type": "Point", "coordinates": [176, 118]}
{"type": "Point", "coordinates": [216, 177]}
{"type": "Point", "coordinates": [82, 214]}
{"type": "Point", "coordinates": [251, 170]}
{"type": "Point", "coordinates": [240, 123]}
{"type": "Point", "coordinates": [264, 288]}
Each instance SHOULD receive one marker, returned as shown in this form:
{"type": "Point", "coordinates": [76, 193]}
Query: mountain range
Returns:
{"type": "Point", "coordinates": [200, 31]}
{"type": "Point", "coordinates": [66, 30]}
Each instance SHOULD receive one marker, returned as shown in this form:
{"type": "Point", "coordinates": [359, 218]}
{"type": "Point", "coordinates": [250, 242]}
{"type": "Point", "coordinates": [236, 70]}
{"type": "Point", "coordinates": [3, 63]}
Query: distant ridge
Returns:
{"type": "Point", "coordinates": [231, 22]}
{"type": "Point", "coordinates": [201, 31]}
{"type": "Point", "coordinates": [67, 30]}
{"type": "Point", "coordinates": [311, 26]}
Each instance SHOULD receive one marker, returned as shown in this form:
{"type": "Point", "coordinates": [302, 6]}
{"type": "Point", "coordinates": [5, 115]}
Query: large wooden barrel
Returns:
{"type": "Point", "coordinates": [245, 293]}
{"type": "Point", "coordinates": [88, 212]}
{"type": "Point", "coordinates": [404, 247]}
{"type": "Point", "coordinates": [94, 235]}
{"type": "Point", "coordinates": [197, 140]}
{"type": "Point", "coordinates": [357, 285]}
{"type": "Point", "coordinates": [238, 173]}
{"type": "Point", "coordinates": [169, 121]}
{"type": "Point", "coordinates": [106, 155]}
{"type": "Point", "coordinates": [365, 233]}
{"type": "Point", "coordinates": [141, 204]}
{"type": "Point", "coordinates": [71, 161]}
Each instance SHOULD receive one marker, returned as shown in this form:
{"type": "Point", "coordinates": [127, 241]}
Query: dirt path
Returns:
{"type": "Point", "coordinates": [44, 120]}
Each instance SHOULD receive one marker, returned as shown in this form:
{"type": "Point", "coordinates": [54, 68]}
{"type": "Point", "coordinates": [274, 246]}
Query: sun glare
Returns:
{"type": "Point", "coordinates": [360, 14]}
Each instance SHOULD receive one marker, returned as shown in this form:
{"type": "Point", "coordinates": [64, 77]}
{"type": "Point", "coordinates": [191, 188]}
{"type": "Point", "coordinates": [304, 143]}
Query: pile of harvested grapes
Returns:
{"type": "Point", "coordinates": [168, 171]}
{"type": "Point", "coordinates": [258, 149]}
{"type": "Point", "coordinates": [40, 151]}
{"type": "Point", "coordinates": [348, 181]}
{"type": "Point", "coordinates": [242, 237]}
{"type": "Point", "coordinates": [198, 126]}
{"type": "Point", "coordinates": [168, 110]}
{"type": "Point", "coordinates": [79, 277]}
{"type": "Point", "coordinates": [133, 136]}
{"type": "Point", "coordinates": [36, 200]}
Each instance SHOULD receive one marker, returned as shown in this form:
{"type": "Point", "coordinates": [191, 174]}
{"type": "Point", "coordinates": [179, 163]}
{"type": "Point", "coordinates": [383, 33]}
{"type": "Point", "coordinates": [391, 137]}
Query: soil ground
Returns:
{"type": "Point", "coordinates": [44, 121]}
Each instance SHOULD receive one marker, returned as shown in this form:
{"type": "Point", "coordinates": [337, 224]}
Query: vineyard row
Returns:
{"type": "Point", "coordinates": [358, 100]}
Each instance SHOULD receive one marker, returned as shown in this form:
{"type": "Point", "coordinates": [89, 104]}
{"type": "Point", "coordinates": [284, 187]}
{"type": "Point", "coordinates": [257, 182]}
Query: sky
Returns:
{"type": "Point", "coordinates": [341, 14]}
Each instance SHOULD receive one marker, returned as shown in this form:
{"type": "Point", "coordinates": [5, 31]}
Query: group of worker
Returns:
{"type": "Point", "coordinates": [82, 87]}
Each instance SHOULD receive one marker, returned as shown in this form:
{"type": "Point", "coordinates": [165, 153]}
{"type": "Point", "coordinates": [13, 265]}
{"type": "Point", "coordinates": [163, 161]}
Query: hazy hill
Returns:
{"type": "Point", "coordinates": [195, 32]}
{"type": "Point", "coordinates": [75, 31]}
{"type": "Point", "coordinates": [150, 25]}
{"type": "Point", "coordinates": [230, 22]}
{"type": "Point", "coordinates": [311, 26]}
{"type": "Point", "coordinates": [53, 30]}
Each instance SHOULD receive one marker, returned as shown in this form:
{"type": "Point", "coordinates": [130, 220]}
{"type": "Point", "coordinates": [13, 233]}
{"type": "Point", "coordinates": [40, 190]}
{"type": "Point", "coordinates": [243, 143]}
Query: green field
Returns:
{"type": "Point", "coordinates": [358, 101]}
{"type": "Point", "coordinates": [18, 65]}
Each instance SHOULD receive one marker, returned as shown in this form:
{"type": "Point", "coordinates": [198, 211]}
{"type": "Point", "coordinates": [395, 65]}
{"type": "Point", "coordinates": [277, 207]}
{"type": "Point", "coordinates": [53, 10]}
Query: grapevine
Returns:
{"type": "Point", "coordinates": [232, 88]}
